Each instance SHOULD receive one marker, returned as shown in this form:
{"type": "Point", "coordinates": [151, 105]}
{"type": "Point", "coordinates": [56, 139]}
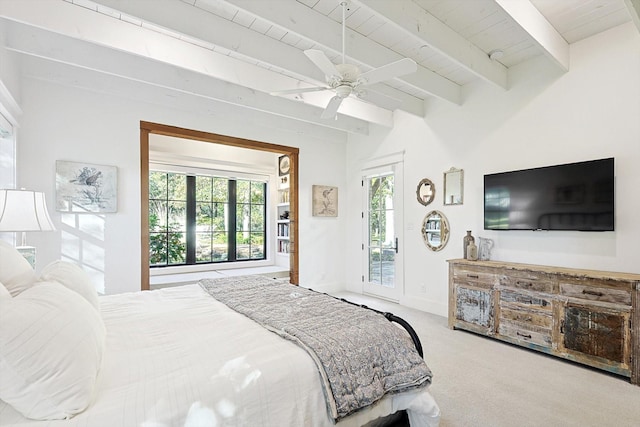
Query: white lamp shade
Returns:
{"type": "Point", "coordinates": [23, 210]}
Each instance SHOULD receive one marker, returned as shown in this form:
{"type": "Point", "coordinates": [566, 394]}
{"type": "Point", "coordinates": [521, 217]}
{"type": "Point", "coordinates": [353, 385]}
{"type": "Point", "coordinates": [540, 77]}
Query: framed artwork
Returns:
{"type": "Point", "coordinates": [324, 200]}
{"type": "Point", "coordinates": [284, 165]}
{"type": "Point", "coordinates": [85, 187]}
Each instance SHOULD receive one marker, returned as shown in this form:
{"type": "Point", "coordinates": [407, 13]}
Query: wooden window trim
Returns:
{"type": "Point", "coordinates": [147, 128]}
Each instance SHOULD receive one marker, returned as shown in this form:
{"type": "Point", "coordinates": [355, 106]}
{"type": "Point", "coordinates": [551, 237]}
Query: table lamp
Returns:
{"type": "Point", "coordinates": [22, 211]}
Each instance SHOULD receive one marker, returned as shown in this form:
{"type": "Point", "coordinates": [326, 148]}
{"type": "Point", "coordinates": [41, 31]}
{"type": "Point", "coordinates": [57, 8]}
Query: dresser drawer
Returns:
{"type": "Point", "coordinates": [528, 280]}
{"type": "Point", "coordinates": [468, 275]}
{"type": "Point", "coordinates": [524, 300]}
{"type": "Point", "coordinates": [526, 318]}
{"type": "Point", "coordinates": [523, 334]}
{"type": "Point", "coordinates": [596, 293]}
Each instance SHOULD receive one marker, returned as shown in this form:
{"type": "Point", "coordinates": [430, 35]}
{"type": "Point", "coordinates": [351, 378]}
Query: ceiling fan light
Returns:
{"type": "Point", "coordinates": [343, 91]}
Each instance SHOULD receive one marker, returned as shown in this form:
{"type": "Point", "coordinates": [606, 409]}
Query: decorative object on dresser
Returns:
{"type": "Point", "coordinates": [425, 192]}
{"type": "Point", "coordinates": [465, 242]}
{"type": "Point", "coordinates": [484, 248]}
{"type": "Point", "coordinates": [22, 211]}
{"type": "Point", "coordinates": [472, 251]}
{"type": "Point", "coordinates": [586, 316]}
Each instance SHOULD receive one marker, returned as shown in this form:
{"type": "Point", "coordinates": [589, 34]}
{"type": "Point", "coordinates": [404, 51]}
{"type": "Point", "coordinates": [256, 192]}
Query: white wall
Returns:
{"type": "Point", "coordinates": [66, 122]}
{"type": "Point", "coordinates": [546, 118]}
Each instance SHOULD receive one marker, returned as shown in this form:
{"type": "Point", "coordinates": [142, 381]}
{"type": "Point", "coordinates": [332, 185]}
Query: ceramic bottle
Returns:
{"type": "Point", "coordinates": [472, 251]}
{"type": "Point", "coordinates": [465, 242]}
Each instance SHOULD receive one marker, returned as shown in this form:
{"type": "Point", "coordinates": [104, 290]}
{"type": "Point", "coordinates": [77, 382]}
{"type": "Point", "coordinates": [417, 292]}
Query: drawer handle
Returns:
{"type": "Point", "coordinates": [473, 276]}
{"type": "Point", "coordinates": [529, 284]}
{"type": "Point", "coordinates": [586, 292]}
{"type": "Point", "coordinates": [528, 336]}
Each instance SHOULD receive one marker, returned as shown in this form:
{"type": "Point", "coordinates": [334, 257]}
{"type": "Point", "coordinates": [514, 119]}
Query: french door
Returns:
{"type": "Point", "coordinates": [382, 254]}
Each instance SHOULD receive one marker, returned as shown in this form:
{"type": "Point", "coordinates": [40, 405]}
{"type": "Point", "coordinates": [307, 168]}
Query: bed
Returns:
{"type": "Point", "coordinates": [177, 357]}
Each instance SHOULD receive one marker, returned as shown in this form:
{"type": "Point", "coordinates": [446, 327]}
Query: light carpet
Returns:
{"type": "Point", "coordinates": [480, 382]}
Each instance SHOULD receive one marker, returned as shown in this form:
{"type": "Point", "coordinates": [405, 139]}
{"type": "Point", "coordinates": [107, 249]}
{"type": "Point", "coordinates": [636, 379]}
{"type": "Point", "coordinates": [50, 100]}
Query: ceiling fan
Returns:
{"type": "Point", "coordinates": [347, 79]}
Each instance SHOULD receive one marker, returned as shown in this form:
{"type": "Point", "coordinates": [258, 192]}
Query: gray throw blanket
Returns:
{"type": "Point", "coordinates": [361, 356]}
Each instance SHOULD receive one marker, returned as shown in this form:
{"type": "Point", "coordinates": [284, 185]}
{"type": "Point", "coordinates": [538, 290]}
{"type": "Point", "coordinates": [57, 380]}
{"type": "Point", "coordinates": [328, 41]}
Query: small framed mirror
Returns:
{"type": "Point", "coordinates": [426, 191]}
{"type": "Point", "coordinates": [453, 186]}
{"type": "Point", "coordinates": [435, 230]}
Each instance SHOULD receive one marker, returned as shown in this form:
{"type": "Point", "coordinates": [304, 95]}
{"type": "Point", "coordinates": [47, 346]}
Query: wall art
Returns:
{"type": "Point", "coordinates": [324, 200]}
{"type": "Point", "coordinates": [85, 187]}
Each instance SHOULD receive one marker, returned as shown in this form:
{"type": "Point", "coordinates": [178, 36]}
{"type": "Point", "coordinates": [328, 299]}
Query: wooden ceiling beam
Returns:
{"type": "Point", "coordinates": [243, 42]}
{"type": "Point", "coordinates": [327, 34]}
{"type": "Point", "coordinates": [63, 32]}
{"type": "Point", "coordinates": [633, 6]}
{"type": "Point", "coordinates": [416, 22]}
{"type": "Point", "coordinates": [554, 46]}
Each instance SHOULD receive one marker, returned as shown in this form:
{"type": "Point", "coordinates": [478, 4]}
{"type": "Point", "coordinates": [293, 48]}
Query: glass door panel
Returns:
{"type": "Point", "coordinates": [382, 276]}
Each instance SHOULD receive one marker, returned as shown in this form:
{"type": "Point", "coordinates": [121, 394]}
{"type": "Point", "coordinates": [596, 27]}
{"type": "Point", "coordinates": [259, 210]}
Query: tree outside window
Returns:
{"type": "Point", "coordinates": [196, 219]}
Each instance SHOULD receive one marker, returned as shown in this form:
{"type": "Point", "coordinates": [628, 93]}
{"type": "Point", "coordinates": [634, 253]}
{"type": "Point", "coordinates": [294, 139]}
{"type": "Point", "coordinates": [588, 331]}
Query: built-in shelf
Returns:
{"type": "Point", "coordinates": [283, 225]}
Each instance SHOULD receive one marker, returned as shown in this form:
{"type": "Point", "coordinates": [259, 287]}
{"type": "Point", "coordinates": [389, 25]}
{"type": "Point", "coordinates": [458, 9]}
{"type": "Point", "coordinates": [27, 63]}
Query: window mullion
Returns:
{"type": "Point", "coordinates": [191, 220]}
{"type": "Point", "coordinates": [167, 230]}
{"type": "Point", "coordinates": [232, 219]}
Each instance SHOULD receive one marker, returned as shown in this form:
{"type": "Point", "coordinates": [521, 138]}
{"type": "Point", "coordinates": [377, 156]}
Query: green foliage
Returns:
{"type": "Point", "coordinates": [380, 199]}
{"type": "Point", "coordinates": [167, 218]}
{"type": "Point", "coordinates": [165, 247]}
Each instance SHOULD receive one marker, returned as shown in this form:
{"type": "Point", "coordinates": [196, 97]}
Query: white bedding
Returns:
{"type": "Point", "coordinates": [177, 357]}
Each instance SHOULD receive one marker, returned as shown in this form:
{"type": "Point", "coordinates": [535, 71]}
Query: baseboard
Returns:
{"type": "Point", "coordinates": [424, 304]}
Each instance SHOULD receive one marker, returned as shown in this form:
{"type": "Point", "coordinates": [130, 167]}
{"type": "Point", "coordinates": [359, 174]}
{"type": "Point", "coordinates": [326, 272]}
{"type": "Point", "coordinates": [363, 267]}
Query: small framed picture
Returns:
{"type": "Point", "coordinates": [85, 187]}
{"type": "Point", "coordinates": [284, 165]}
{"type": "Point", "coordinates": [324, 200]}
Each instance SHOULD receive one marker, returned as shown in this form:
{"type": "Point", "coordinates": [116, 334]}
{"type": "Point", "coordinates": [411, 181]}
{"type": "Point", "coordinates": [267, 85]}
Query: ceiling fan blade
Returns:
{"type": "Point", "coordinates": [379, 99]}
{"type": "Point", "coordinates": [389, 71]}
{"type": "Point", "coordinates": [332, 108]}
{"type": "Point", "coordinates": [301, 90]}
{"type": "Point", "coordinates": [320, 59]}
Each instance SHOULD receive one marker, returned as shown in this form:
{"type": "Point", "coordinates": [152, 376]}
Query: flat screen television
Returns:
{"type": "Point", "coordinates": [575, 196]}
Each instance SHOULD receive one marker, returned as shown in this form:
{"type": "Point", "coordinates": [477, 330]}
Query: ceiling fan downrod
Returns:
{"type": "Point", "coordinates": [344, 19]}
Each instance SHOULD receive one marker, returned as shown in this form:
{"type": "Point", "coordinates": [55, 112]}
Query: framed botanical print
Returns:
{"type": "Point", "coordinates": [324, 200]}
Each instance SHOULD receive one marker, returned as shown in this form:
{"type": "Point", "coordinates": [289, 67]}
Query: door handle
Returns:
{"type": "Point", "coordinates": [396, 248]}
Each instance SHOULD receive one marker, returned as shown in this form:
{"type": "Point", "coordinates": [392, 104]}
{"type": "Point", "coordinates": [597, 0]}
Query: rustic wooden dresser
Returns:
{"type": "Point", "coordinates": [587, 316]}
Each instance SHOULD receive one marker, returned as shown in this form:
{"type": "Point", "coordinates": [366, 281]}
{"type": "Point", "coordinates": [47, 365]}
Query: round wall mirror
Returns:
{"type": "Point", "coordinates": [426, 191]}
{"type": "Point", "coordinates": [435, 230]}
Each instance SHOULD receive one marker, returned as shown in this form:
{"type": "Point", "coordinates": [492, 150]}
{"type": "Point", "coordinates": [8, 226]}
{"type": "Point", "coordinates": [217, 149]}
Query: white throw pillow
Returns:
{"type": "Point", "coordinates": [4, 293]}
{"type": "Point", "coordinates": [15, 271]}
{"type": "Point", "coordinates": [74, 278]}
{"type": "Point", "coordinates": [51, 346]}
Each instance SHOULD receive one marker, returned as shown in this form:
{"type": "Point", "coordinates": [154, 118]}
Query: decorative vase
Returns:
{"type": "Point", "coordinates": [472, 251]}
{"type": "Point", "coordinates": [465, 242]}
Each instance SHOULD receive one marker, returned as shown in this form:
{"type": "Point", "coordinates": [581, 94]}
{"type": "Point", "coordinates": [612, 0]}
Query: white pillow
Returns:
{"type": "Point", "coordinates": [51, 345]}
{"type": "Point", "coordinates": [74, 278]}
{"type": "Point", "coordinates": [4, 293]}
{"type": "Point", "coordinates": [15, 271]}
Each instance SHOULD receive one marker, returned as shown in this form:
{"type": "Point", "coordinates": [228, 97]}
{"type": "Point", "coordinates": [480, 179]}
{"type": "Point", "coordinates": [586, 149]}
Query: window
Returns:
{"type": "Point", "coordinates": [197, 219]}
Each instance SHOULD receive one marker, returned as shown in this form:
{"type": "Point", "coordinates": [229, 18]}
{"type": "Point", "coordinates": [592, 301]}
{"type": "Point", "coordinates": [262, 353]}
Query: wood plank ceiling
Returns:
{"type": "Point", "coordinates": [241, 51]}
